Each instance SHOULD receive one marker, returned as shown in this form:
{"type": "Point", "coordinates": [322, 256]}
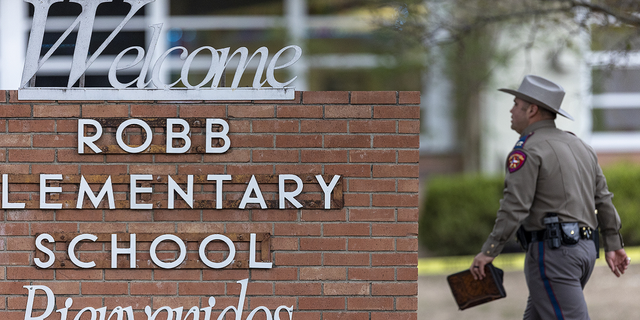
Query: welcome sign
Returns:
{"type": "Point", "coordinates": [255, 203]}
{"type": "Point", "coordinates": [146, 87]}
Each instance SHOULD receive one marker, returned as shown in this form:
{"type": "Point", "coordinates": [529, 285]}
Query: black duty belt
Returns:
{"type": "Point", "coordinates": [586, 233]}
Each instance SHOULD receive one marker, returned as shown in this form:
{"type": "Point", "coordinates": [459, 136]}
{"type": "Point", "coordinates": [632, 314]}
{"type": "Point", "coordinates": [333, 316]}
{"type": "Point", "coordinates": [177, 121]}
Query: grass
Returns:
{"type": "Point", "coordinates": [507, 262]}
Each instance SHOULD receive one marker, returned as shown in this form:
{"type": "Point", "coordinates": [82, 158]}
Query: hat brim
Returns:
{"type": "Point", "coordinates": [537, 102]}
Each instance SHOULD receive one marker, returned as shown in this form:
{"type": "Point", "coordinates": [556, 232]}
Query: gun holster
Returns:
{"type": "Point", "coordinates": [523, 240]}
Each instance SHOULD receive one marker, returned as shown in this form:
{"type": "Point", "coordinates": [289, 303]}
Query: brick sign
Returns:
{"type": "Point", "coordinates": [191, 210]}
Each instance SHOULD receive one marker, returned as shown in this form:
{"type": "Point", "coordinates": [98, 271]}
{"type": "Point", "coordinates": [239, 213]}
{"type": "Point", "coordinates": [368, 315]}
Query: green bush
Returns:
{"type": "Point", "coordinates": [459, 211]}
{"type": "Point", "coordinates": [624, 181]}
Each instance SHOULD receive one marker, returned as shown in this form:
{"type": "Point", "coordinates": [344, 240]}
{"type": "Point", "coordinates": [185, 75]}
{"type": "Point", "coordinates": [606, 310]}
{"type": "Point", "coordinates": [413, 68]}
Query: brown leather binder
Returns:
{"type": "Point", "coordinates": [469, 292]}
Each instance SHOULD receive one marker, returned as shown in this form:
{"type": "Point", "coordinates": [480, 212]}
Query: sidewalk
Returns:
{"type": "Point", "coordinates": [608, 297]}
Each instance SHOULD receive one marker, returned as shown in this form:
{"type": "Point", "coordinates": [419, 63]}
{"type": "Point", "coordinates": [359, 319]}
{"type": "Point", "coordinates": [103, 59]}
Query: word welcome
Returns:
{"type": "Point", "coordinates": [173, 188]}
{"type": "Point", "coordinates": [81, 61]}
{"type": "Point", "coordinates": [131, 251]}
{"type": "Point", "coordinates": [162, 313]}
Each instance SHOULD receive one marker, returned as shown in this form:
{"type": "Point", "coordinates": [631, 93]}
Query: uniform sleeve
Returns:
{"type": "Point", "coordinates": [608, 218]}
{"type": "Point", "coordinates": [518, 194]}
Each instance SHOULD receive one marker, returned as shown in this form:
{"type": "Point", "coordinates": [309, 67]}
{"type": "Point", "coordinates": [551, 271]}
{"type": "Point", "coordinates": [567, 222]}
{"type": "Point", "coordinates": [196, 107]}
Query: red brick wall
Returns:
{"type": "Point", "coordinates": [357, 262]}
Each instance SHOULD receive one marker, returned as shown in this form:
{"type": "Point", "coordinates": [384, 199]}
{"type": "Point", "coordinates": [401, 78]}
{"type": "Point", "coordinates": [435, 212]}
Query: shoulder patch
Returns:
{"type": "Point", "coordinates": [522, 141]}
{"type": "Point", "coordinates": [515, 160]}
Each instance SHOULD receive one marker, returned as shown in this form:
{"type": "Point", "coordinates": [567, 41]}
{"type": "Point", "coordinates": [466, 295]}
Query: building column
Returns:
{"type": "Point", "coordinates": [13, 42]}
{"type": "Point", "coordinates": [296, 13]}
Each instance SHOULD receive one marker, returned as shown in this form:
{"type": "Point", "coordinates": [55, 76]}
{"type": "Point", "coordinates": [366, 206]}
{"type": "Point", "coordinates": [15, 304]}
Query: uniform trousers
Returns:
{"type": "Point", "coordinates": [556, 278]}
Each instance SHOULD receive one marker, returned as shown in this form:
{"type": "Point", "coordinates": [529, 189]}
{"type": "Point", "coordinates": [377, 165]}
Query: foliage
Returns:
{"type": "Point", "coordinates": [439, 21]}
{"type": "Point", "coordinates": [459, 211]}
{"type": "Point", "coordinates": [624, 181]}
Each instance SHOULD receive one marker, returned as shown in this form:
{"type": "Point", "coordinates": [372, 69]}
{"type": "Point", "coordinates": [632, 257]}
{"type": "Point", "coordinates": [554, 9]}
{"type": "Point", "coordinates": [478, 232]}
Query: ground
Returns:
{"type": "Point", "coordinates": [608, 298]}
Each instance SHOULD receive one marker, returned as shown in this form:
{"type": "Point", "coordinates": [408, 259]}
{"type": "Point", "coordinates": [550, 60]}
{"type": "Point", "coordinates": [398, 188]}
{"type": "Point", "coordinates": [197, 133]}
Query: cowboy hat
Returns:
{"type": "Point", "coordinates": [541, 92]}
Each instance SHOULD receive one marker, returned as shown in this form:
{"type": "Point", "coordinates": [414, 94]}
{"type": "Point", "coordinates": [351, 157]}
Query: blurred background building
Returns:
{"type": "Point", "coordinates": [347, 46]}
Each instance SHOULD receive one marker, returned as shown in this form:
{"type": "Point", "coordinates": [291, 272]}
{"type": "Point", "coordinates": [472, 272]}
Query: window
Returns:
{"type": "Point", "coordinates": [615, 80]}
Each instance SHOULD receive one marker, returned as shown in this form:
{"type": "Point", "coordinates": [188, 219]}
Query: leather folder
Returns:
{"type": "Point", "coordinates": [469, 292]}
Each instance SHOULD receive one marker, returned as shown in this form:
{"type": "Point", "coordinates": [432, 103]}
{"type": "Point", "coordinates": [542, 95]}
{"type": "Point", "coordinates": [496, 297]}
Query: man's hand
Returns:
{"type": "Point", "coordinates": [618, 261]}
{"type": "Point", "coordinates": [477, 267]}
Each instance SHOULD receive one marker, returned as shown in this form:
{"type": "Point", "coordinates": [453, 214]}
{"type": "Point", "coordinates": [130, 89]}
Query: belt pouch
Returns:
{"type": "Point", "coordinates": [570, 233]}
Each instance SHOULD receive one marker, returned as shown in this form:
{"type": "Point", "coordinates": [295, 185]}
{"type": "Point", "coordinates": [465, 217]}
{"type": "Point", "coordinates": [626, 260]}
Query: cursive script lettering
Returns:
{"type": "Point", "coordinates": [160, 313]}
{"type": "Point", "coordinates": [154, 88]}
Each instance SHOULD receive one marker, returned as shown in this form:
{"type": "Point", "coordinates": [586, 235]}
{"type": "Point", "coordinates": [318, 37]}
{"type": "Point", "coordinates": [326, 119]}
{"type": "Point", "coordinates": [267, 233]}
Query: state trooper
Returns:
{"type": "Point", "coordinates": [555, 197]}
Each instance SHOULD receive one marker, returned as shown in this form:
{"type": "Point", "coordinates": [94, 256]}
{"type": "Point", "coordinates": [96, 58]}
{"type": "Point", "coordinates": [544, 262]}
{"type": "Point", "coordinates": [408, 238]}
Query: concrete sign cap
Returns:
{"type": "Point", "coordinates": [541, 92]}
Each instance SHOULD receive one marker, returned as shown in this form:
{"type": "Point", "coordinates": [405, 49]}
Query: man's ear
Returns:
{"type": "Point", "coordinates": [533, 110]}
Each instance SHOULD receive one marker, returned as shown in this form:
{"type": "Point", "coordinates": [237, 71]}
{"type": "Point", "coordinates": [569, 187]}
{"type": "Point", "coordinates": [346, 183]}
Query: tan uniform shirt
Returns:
{"type": "Point", "coordinates": [550, 170]}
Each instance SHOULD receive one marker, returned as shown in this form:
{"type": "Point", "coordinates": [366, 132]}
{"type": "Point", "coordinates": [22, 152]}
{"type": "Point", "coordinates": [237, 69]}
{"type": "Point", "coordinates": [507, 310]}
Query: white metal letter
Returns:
{"type": "Point", "coordinates": [266, 310]}
{"type": "Point", "coordinates": [165, 265]}
{"type": "Point", "coordinates": [203, 253]}
{"type": "Point", "coordinates": [184, 135]}
{"type": "Point", "coordinates": [5, 195]}
{"type": "Point", "coordinates": [174, 187]}
{"type": "Point", "coordinates": [72, 250]}
{"type": "Point", "coordinates": [138, 149]}
{"type": "Point", "coordinates": [252, 255]}
{"type": "Point", "coordinates": [327, 189]}
{"type": "Point", "coordinates": [82, 139]}
{"type": "Point", "coordinates": [32, 294]}
{"type": "Point", "coordinates": [207, 310]}
{"type": "Point", "coordinates": [157, 28]}
{"type": "Point", "coordinates": [187, 65]}
{"type": "Point", "coordinates": [45, 250]}
{"type": "Point", "coordinates": [282, 194]}
{"type": "Point", "coordinates": [113, 79]}
{"type": "Point", "coordinates": [272, 66]}
{"type": "Point", "coordinates": [107, 189]}
{"type": "Point", "coordinates": [195, 312]}
{"type": "Point", "coordinates": [131, 251]}
{"type": "Point", "coordinates": [80, 62]}
{"type": "Point", "coordinates": [218, 179]}
{"type": "Point", "coordinates": [94, 313]}
{"type": "Point", "coordinates": [243, 53]}
{"type": "Point", "coordinates": [243, 294]}
{"type": "Point", "coordinates": [36, 37]}
{"type": "Point", "coordinates": [222, 135]}
{"type": "Point", "coordinates": [246, 198]}
{"type": "Point", "coordinates": [44, 190]}
{"type": "Point", "coordinates": [134, 190]}
{"type": "Point", "coordinates": [169, 310]}
{"type": "Point", "coordinates": [63, 312]}
{"type": "Point", "coordinates": [155, 76]}
{"type": "Point", "coordinates": [119, 312]}
{"type": "Point", "coordinates": [277, 312]}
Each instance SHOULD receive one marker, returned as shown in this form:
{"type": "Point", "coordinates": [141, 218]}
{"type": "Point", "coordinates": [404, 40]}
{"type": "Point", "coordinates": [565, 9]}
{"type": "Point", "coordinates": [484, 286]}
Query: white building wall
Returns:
{"type": "Point", "coordinates": [13, 42]}
{"type": "Point", "coordinates": [498, 139]}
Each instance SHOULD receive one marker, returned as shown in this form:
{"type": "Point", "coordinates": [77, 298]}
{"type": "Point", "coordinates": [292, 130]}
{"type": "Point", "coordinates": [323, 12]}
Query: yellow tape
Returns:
{"type": "Point", "coordinates": [507, 262]}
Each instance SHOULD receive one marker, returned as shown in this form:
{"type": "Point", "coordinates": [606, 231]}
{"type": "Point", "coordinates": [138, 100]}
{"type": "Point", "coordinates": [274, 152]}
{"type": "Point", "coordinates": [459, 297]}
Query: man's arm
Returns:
{"type": "Point", "coordinates": [609, 223]}
{"type": "Point", "coordinates": [608, 218]}
{"type": "Point", "coordinates": [518, 194]}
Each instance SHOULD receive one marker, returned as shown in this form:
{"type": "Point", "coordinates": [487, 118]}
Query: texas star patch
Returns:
{"type": "Point", "coordinates": [516, 160]}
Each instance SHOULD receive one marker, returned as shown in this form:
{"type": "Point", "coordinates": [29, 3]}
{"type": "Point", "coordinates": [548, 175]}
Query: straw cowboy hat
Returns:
{"type": "Point", "coordinates": [541, 92]}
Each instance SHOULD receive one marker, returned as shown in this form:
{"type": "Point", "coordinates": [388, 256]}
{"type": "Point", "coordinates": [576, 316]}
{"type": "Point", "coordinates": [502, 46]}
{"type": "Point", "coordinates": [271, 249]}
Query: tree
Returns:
{"type": "Point", "coordinates": [438, 22]}
{"type": "Point", "coordinates": [466, 32]}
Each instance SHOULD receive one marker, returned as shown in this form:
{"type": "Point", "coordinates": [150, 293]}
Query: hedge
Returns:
{"type": "Point", "coordinates": [459, 211]}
